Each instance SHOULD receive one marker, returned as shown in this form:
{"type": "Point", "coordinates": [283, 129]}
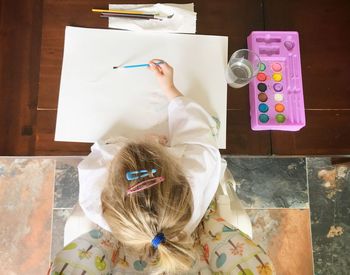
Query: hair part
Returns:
{"type": "Point", "coordinates": [135, 219]}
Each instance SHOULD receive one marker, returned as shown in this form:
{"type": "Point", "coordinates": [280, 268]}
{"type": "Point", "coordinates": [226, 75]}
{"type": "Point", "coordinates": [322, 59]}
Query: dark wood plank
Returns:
{"type": "Point", "coordinates": [324, 86]}
{"type": "Point", "coordinates": [20, 36]}
{"type": "Point", "coordinates": [323, 27]}
{"type": "Point", "coordinates": [214, 18]}
{"type": "Point", "coordinates": [327, 133]}
{"type": "Point", "coordinates": [45, 133]}
{"type": "Point", "coordinates": [340, 160]}
{"type": "Point", "coordinates": [324, 32]}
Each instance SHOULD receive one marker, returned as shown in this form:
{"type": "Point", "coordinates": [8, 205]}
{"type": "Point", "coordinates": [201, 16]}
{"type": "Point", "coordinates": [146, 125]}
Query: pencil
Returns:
{"type": "Point", "coordinates": [123, 11]}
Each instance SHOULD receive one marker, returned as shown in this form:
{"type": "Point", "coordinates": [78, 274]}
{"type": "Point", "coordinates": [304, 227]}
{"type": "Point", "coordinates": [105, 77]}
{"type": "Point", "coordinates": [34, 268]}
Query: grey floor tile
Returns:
{"type": "Point", "coordinates": [66, 182]}
{"type": "Point", "coordinates": [270, 182]}
{"type": "Point", "coordinates": [60, 217]}
{"type": "Point", "coordinates": [330, 215]}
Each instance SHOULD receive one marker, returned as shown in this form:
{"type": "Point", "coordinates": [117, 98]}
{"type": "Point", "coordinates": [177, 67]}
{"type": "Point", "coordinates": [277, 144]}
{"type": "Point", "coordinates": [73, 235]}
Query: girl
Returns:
{"type": "Point", "coordinates": [150, 196]}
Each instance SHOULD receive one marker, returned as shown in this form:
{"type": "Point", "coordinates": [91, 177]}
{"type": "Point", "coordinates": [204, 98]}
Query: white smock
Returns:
{"type": "Point", "coordinates": [192, 140]}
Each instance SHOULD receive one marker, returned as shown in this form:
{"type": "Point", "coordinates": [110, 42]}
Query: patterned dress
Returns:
{"type": "Point", "coordinates": [221, 249]}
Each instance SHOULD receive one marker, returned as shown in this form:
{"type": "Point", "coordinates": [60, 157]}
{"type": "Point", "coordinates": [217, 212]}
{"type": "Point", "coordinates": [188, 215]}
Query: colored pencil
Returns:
{"type": "Point", "coordinates": [124, 11]}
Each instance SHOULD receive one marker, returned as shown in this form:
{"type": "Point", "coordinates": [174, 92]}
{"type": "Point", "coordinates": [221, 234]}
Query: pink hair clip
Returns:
{"type": "Point", "coordinates": [144, 185]}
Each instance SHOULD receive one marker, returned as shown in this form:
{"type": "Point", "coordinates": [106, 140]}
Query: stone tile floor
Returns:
{"type": "Point", "coordinates": [299, 207]}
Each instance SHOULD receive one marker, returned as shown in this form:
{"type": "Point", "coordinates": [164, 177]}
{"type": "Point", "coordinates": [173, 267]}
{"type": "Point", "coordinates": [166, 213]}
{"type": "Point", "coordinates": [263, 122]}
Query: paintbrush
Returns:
{"type": "Point", "coordinates": [135, 16]}
{"type": "Point", "coordinates": [137, 65]}
{"type": "Point", "coordinates": [131, 14]}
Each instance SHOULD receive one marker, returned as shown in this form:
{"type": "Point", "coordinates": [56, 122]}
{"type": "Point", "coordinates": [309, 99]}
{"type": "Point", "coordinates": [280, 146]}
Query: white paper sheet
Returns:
{"type": "Point", "coordinates": [183, 20]}
{"type": "Point", "coordinates": [96, 101]}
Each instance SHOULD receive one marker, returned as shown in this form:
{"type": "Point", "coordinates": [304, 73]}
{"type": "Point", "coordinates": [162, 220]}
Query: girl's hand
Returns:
{"type": "Point", "coordinates": [164, 74]}
{"type": "Point", "coordinates": [161, 139]}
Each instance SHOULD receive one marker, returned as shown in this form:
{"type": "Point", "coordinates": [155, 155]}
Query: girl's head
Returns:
{"type": "Point", "coordinates": [165, 208]}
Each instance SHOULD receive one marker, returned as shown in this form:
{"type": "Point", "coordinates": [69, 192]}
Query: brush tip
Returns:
{"type": "Point", "coordinates": [115, 67]}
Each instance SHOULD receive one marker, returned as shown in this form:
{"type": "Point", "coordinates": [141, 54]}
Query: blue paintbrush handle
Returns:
{"type": "Point", "coordinates": [139, 65]}
{"type": "Point", "coordinates": [136, 66]}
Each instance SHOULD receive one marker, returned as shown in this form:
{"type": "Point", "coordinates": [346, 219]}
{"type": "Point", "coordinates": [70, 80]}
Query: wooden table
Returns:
{"type": "Point", "coordinates": [31, 44]}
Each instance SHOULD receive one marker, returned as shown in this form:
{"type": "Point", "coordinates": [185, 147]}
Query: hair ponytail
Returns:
{"type": "Point", "coordinates": [175, 257]}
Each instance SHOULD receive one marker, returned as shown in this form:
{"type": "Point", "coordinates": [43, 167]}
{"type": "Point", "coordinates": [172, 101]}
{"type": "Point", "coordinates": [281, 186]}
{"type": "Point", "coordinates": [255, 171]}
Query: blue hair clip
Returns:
{"type": "Point", "coordinates": [157, 240]}
{"type": "Point", "coordinates": [134, 175]}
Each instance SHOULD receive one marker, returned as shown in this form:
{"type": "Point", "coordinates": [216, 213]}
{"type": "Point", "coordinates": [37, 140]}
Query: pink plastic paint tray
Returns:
{"type": "Point", "coordinates": [276, 93]}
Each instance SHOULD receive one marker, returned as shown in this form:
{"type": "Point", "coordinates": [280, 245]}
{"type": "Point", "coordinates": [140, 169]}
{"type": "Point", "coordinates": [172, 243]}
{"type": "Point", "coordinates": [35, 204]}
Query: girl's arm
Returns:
{"type": "Point", "coordinates": [189, 123]}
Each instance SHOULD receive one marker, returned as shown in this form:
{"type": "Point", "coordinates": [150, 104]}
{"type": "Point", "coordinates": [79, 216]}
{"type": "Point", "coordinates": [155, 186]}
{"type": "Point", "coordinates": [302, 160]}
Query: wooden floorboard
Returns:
{"type": "Point", "coordinates": [324, 32]}
{"type": "Point", "coordinates": [327, 133]}
{"type": "Point", "coordinates": [32, 37]}
{"type": "Point", "coordinates": [20, 36]}
{"type": "Point", "coordinates": [214, 18]}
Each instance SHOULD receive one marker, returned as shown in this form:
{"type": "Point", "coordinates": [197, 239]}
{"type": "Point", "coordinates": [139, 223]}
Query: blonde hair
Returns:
{"type": "Point", "coordinates": [135, 219]}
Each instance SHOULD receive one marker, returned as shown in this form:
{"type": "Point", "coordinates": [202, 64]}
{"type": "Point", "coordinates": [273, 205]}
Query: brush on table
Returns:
{"type": "Point", "coordinates": [131, 14]}
{"type": "Point", "coordinates": [125, 11]}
